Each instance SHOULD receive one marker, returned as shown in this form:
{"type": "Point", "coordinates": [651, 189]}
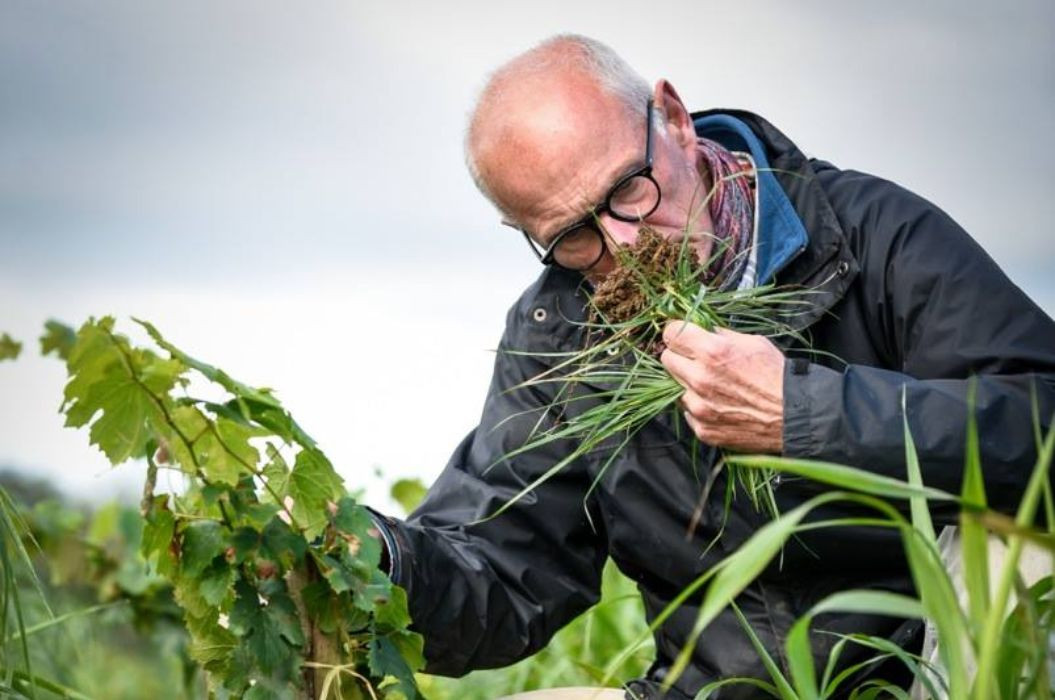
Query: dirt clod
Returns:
{"type": "Point", "coordinates": [644, 267]}
{"type": "Point", "coordinates": [622, 295]}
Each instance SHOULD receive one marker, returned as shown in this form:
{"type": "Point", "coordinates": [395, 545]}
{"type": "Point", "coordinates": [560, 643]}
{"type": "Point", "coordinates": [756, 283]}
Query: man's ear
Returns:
{"type": "Point", "coordinates": [676, 118]}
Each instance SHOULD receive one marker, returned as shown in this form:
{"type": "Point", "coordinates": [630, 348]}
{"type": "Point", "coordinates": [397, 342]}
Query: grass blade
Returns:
{"type": "Point", "coordinates": [781, 687]}
{"type": "Point", "coordinates": [988, 648]}
{"type": "Point", "coordinates": [739, 570]}
{"type": "Point", "coordinates": [973, 536]}
{"type": "Point", "coordinates": [841, 476]}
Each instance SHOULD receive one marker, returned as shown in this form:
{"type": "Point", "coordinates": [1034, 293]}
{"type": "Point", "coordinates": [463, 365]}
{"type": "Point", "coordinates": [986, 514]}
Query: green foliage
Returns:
{"type": "Point", "coordinates": [117, 632]}
{"type": "Point", "coordinates": [408, 493]}
{"type": "Point", "coordinates": [988, 649]}
{"type": "Point", "coordinates": [269, 564]}
{"type": "Point", "coordinates": [9, 347]}
{"type": "Point", "coordinates": [58, 338]}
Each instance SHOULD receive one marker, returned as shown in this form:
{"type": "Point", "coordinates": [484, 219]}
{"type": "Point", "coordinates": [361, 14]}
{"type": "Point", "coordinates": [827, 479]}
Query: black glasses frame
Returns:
{"type": "Point", "coordinates": [546, 256]}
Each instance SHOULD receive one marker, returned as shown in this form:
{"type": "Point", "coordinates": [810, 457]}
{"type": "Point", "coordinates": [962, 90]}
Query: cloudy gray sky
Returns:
{"type": "Point", "coordinates": [279, 186]}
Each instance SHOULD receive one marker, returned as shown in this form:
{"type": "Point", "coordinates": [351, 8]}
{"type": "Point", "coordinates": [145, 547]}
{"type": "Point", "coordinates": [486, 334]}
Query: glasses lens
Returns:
{"type": "Point", "coordinates": [634, 199]}
{"type": "Point", "coordinates": [579, 248]}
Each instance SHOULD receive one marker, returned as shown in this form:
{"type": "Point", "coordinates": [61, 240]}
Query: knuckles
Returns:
{"type": "Point", "coordinates": [695, 405]}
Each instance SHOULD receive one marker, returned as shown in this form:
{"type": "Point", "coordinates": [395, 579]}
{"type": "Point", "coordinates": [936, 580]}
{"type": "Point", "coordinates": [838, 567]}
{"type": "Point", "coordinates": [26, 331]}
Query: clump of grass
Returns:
{"type": "Point", "coordinates": [618, 374]}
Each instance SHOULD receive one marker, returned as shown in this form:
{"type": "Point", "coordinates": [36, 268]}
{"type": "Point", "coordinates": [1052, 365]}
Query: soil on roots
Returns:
{"type": "Point", "coordinates": [628, 291]}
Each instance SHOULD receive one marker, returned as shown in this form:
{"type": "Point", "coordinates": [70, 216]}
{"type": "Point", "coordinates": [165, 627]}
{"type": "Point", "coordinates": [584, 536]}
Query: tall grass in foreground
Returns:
{"type": "Point", "coordinates": [989, 648]}
{"type": "Point", "coordinates": [617, 379]}
{"type": "Point", "coordinates": [24, 613]}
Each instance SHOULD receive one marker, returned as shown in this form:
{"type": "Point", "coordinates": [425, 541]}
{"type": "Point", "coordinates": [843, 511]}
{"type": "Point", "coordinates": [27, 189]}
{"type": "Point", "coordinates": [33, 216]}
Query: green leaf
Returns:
{"type": "Point", "coordinates": [203, 541]}
{"type": "Point", "coordinates": [9, 347]}
{"type": "Point", "coordinates": [276, 473]}
{"type": "Point", "coordinates": [917, 502]}
{"type": "Point", "coordinates": [840, 476]}
{"type": "Point", "coordinates": [258, 515]}
{"type": "Point", "coordinates": [242, 391]}
{"type": "Point", "coordinates": [988, 650]}
{"type": "Point", "coordinates": [932, 580]}
{"type": "Point", "coordinates": [870, 602]}
{"type": "Point", "coordinates": [393, 614]}
{"type": "Point", "coordinates": [107, 377]}
{"type": "Point", "coordinates": [941, 606]}
{"type": "Point", "coordinates": [281, 544]}
{"type": "Point", "coordinates": [800, 659]}
{"type": "Point", "coordinates": [224, 453]}
{"type": "Point", "coordinates": [158, 531]}
{"type": "Point", "coordinates": [386, 659]}
{"type": "Point", "coordinates": [797, 644]}
{"type": "Point", "coordinates": [411, 647]}
{"type": "Point", "coordinates": [781, 687]}
{"type": "Point", "coordinates": [58, 338]}
{"type": "Point", "coordinates": [973, 536]}
{"type": "Point", "coordinates": [738, 570]}
{"type": "Point", "coordinates": [211, 645]}
{"type": "Point", "coordinates": [245, 541]}
{"type": "Point", "coordinates": [340, 577]}
{"type": "Point", "coordinates": [312, 485]}
{"type": "Point", "coordinates": [282, 611]}
{"type": "Point", "coordinates": [266, 632]}
{"type": "Point", "coordinates": [215, 582]}
{"type": "Point", "coordinates": [408, 493]}
{"type": "Point", "coordinates": [362, 537]}
{"type": "Point", "coordinates": [332, 611]}
{"type": "Point", "coordinates": [188, 425]}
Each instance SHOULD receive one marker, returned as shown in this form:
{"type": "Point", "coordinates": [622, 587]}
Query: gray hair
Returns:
{"type": "Point", "coordinates": [562, 52]}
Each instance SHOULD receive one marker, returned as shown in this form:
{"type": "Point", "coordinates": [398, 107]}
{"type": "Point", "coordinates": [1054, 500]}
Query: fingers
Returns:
{"type": "Point", "coordinates": [683, 368]}
{"type": "Point", "coordinates": [682, 337]}
{"type": "Point", "coordinates": [733, 385]}
{"type": "Point", "coordinates": [692, 341]}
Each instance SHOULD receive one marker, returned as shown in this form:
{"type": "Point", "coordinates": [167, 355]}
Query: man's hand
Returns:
{"type": "Point", "coordinates": [734, 386]}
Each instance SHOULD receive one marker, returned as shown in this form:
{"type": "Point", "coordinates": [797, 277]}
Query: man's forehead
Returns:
{"type": "Point", "coordinates": [559, 155]}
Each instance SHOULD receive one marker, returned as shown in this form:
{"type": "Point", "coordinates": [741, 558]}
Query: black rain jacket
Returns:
{"type": "Point", "coordinates": [905, 301]}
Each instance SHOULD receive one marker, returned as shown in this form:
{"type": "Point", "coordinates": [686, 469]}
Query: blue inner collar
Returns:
{"type": "Point", "coordinates": [781, 235]}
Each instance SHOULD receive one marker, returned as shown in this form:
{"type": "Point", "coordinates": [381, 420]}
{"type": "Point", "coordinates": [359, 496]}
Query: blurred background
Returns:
{"type": "Point", "coordinates": [279, 187]}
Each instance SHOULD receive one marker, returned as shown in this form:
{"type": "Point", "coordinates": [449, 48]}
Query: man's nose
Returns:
{"type": "Point", "coordinates": [619, 232]}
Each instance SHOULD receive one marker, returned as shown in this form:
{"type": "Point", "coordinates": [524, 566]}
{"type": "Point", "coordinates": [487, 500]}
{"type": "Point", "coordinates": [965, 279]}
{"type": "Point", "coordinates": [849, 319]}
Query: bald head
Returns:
{"type": "Point", "coordinates": [542, 110]}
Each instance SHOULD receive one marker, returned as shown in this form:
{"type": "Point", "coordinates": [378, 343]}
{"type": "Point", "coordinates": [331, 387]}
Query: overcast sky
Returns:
{"type": "Point", "coordinates": [280, 188]}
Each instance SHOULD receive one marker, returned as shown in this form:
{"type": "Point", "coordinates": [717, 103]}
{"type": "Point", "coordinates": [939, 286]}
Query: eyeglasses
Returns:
{"type": "Point", "coordinates": [633, 197]}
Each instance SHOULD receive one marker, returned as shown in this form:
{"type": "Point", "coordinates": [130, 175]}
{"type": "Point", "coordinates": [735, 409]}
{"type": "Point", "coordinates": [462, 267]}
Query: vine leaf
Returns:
{"type": "Point", "coordinates": [386, 660]}
{"type": "Point", "coordinates": [203, 541]}
{"type": "Point", "coordinates": [58, 338]}
{"type": "Point", "coordinates": [211, 645]}
{"type": "Point", "coordinates": [225, 454]}
{"type": "Point", "coordinates": [110, 378]}
{"type": "Point", "coordinates": [9, 347]}
{"type": "Point", "coordinates": [268, 630]}
{"type": "Point", "coordinates": [313, 484]}
{"type": "Point", "coordinates": [158, 531]}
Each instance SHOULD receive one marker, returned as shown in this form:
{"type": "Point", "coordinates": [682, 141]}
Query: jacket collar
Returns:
{"type": "Point", "coordinates": [803, 242]}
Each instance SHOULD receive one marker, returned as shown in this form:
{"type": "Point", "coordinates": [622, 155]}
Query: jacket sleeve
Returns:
{"type": "Point", "coordinates": [943, 313]}
{"type": "Point", "coordinates": [488, 592]}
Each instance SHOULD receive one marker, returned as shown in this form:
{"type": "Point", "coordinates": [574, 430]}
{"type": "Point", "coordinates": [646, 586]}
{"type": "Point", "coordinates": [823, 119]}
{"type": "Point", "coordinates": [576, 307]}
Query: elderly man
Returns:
{"type": "Point", "coordinates": [578, 152]}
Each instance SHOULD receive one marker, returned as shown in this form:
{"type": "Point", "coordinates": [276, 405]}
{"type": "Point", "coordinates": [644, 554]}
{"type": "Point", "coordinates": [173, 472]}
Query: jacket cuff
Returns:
{"type": "Point", "coordinates": [390, 541]}
{"type": "Point", "coordinates": [806, 386]}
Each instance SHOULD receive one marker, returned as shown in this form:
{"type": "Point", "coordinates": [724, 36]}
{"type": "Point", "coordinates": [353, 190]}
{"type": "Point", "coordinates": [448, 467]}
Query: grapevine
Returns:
{"type": "Point", "coordinates": [275, 567]}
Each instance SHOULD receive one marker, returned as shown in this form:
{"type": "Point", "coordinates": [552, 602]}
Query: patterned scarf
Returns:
{"type": "Point", "coordinates": [732, 212]}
